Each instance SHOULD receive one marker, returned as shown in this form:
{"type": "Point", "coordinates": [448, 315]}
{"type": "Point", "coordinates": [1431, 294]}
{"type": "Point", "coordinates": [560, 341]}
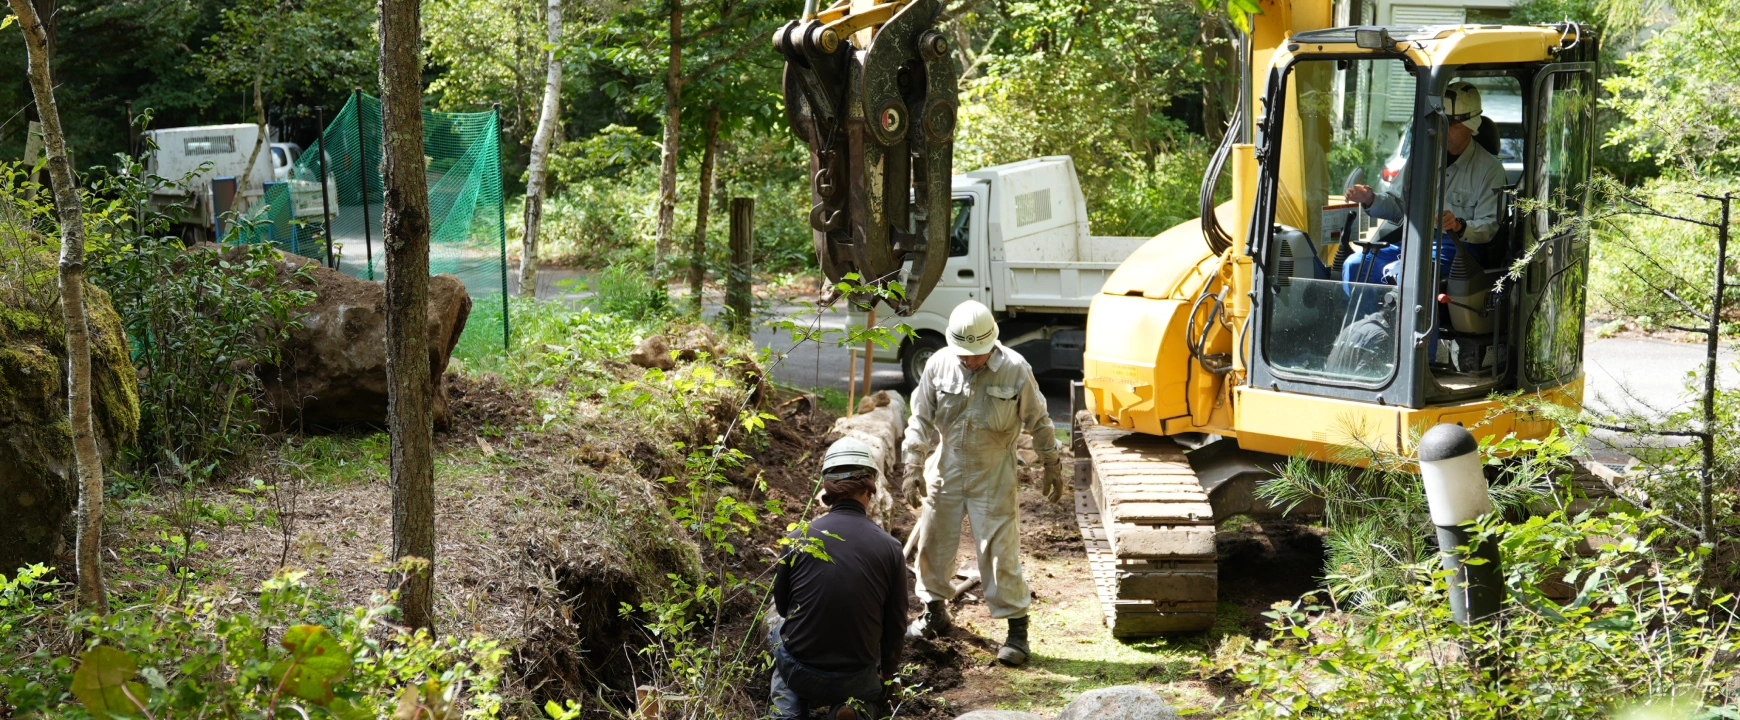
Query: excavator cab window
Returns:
{"type": "Point", "coordinates": [1553, 291]}
{"type": "Point", "coordinates": [1329, 266]}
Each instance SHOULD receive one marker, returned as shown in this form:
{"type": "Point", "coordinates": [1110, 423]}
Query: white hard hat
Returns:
{"type": "Point", "coordinates": [1462, 104]}
{"type": "Point", "coordinates": [972, 329]}
{"type": "Point", "coordinates": [847, 457]}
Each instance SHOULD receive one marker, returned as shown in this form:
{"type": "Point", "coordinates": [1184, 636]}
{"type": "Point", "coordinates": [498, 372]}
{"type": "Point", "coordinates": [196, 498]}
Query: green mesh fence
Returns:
{"type": "Point", "coordinates": [338, 221]}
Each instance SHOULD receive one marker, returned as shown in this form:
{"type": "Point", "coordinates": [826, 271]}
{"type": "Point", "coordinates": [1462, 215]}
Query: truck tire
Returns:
{"type": "Point", "coordinates": [918, 352]}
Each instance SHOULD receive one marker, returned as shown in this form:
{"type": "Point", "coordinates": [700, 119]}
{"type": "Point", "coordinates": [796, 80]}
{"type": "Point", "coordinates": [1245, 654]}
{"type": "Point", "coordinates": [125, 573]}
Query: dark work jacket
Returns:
{"type": "Point", "coordinates": [846, 613]}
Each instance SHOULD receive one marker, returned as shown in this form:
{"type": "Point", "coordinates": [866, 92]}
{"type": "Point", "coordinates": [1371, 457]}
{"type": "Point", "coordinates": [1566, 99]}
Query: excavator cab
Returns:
{"type": "Point", "coordinates": [1395, 310]}
{"type": "Point", "coordinates": [1292, 321]}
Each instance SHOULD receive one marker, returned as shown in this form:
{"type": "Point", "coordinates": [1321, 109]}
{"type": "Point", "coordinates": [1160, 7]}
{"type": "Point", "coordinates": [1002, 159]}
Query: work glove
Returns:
{"type": "Point", "coordinates": [1052, 482]}
{"type": "Point", "coordinates": [912, 486]}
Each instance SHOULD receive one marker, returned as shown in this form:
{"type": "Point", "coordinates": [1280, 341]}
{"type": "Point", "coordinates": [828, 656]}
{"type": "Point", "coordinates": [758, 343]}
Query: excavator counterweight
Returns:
{"type": "Point", "coordinates": [871, 88]}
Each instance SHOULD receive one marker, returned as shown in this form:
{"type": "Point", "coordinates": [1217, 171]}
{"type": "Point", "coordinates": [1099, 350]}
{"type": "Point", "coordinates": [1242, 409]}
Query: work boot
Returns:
{"type": "Point", "coordinates": [1014, 650]}
{"type": "Point", "coordinates": [933, 622]}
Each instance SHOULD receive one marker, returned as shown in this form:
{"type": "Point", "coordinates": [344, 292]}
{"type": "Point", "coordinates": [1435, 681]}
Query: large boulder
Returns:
{"type": "Point", "coordinates": [999, 715]}
{"type": "Point", "coordinates": [38, 491]}
{"type": "Point", "coordinates": [333, 370]}
{"type": "Point", "coordinates": [1119, 702]}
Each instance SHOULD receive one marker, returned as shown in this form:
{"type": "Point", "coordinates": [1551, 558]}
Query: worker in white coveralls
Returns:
{"type": "Point", "coordinates": [972, 402]}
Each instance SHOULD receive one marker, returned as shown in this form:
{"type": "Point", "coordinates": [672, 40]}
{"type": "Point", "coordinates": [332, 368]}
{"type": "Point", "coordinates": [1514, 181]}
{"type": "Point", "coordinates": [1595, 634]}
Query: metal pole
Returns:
{"type": "Point", "coordinates": [501, 224]}
{"type": "Point", "coordinates": [362, 149]}
{"type": "Point", "coordinates": [325, 202]}
{"type": "Point", "coordinates": [1456, 494]}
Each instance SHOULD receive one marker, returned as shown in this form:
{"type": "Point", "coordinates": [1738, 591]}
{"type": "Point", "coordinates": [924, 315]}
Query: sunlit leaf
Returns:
{"type": "Point", "coordinates": [103, 683]}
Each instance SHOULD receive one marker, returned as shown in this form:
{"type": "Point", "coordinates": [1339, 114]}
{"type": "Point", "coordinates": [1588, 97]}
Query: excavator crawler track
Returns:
{"type": "Point", "coordinates": [1149, 531]}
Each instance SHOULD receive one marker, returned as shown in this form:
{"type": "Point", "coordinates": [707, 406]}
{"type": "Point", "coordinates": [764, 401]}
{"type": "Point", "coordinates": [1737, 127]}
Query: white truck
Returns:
{"type": "Point", "coordinates": [182, 151]}
{"type": "Point", "coordinates": [1019, 243]}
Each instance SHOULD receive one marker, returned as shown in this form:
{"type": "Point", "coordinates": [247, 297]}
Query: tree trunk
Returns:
{"type": "Point", "coordinates": [88, 463]}
{"type": "Point", "coordinates": [668, 155]}
{"type": "Point", "coordinates": [547, 120]}
{"type": "Point", "coordinates": [259, 140]}
{"type": "Point", "coordinates": [703, 196]}
{"type": "Point", "coordinates": [1220, 84]}
{"type": "Point", "coordinates": [405, 222]}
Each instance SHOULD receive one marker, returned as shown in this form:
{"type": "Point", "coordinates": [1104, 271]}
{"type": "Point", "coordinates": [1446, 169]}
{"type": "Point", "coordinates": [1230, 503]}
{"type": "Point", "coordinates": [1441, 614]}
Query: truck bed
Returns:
{"type": "Point", "coordinates": [1059, 286]}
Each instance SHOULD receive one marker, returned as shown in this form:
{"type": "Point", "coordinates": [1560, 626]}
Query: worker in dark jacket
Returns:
{"type": "Point", "coordinates": [840, 592]}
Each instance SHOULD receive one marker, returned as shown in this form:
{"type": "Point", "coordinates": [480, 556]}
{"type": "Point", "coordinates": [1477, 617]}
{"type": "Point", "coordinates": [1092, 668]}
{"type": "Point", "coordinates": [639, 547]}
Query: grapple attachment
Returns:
{"type": "Point", "coordinates": [871, 88]}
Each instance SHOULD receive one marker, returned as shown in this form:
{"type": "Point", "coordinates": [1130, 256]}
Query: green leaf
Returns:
{"type": "Point", "coordinates": [102, 683]}
{"type": "Point", "coordinates": [6, 22]}
{"type": "Point", "coordinates": [316, 661]}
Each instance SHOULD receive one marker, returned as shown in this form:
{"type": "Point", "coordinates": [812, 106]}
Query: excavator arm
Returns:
{"type": "Point", "coordinates": [870, 87]}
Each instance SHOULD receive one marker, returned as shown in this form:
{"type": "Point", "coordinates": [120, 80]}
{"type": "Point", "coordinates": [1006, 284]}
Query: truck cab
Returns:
{"type": "Point", "coordinates": [1019, 242]}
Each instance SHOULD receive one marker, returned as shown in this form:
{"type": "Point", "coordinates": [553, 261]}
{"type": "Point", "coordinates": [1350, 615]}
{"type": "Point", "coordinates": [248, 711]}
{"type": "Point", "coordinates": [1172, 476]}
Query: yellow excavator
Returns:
{"type": "Point", "coordinates": [1289, 321]}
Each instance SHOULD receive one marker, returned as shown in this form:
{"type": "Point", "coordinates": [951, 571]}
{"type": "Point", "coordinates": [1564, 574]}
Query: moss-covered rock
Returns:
{"type": "Point", "coordinates": [37, 488]}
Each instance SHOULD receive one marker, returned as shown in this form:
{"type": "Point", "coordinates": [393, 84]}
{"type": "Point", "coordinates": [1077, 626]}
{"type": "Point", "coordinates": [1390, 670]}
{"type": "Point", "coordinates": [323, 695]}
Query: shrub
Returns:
{"type": "Point", "coordinates": [1375, 509]}
{"type": "Point", "coordinates": [200, 324]}
{"type": "Point", "coordinates": [1636, 634]}
{"type": "Point", "coordinates": [217, 656]}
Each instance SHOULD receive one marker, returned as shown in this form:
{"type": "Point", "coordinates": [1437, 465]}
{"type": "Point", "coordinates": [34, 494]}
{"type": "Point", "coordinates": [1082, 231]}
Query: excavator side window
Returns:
{"type": "Point", "coordinates": [1329, 267]}
{"type": "Point", "coordinates": [1553, 340]}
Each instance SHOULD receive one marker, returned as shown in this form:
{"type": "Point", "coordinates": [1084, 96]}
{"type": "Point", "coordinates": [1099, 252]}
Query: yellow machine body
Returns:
{"type": "Point", "coordinates": [1139, 370]}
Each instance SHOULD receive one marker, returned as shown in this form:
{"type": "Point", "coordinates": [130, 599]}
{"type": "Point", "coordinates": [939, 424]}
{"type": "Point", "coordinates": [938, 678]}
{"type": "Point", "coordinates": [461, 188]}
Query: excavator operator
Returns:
{"type": "Point", "coordinates": [1472, 179]}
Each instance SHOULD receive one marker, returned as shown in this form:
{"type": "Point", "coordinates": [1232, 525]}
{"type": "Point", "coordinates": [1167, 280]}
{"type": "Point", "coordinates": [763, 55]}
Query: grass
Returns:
{"type": "Point", "coordinates": [1072, 651]}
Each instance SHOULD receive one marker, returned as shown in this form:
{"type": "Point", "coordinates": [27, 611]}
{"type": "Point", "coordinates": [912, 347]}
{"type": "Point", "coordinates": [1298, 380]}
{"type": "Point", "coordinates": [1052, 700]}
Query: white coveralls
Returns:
{"type": "Point", "coordinates": [1470, 187]}
{"type": "Point", "coordinates": [976, 417]}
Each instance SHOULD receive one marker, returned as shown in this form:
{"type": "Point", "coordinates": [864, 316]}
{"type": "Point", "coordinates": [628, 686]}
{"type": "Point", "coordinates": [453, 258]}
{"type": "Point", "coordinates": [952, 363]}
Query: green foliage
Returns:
{"type": "Point", "coordinates": [201, 322]}
{"type": "Point", "coordinates": [555, 343]}
{"type": "Point", "coordinates": [1099, 84]}
{"type": "Point", "coordinates": [1673, 93]}
{"type": "Point", "coordinates": [287, 45]}
{"type": "Point", "coordinates": [1634, 633]}
{"type": "Point", "coordinates": [1635, 254]}
{"type": "Point", "coordinates": [215, 656]}
{"type": "Point", "coordinates": [605, 154]}
{"type": "Point", "coordinates": [608, 218]}
{"type": "Point", "coordinates": [104, 683]}
{"type": "Point", "coordinates": [1373, 506]}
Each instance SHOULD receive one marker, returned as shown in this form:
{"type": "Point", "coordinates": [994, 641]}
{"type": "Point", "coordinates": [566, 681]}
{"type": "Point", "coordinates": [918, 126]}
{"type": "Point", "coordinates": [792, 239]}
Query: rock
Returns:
{"type": "Point", "coordinates": [38, 492]}
{"type": "Point", "coordinates": [333, 370]}
{"type": "Point", "coordinates": [1120, 702]}
{"type": "Point", "coordinates": [654, 352]}
{"type": "Point", "coordinates": [999, 715]}
{"type": "Point", "coordinates": [882, 428]}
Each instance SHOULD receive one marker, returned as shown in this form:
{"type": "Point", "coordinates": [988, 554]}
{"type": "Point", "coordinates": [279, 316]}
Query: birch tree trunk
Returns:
{"type": "Point", "coordinates": [259, 141]}
{"type": "Point", "coordinates": [703, 198]}
{"type": "Point", "coordinates": [88, 463]}
{"type": "Point", "coordinates": [405, 222]}
{"type": "Point", "coordinates": [668, 155]}
{"type": "Point", "coordinates": [547, 121]}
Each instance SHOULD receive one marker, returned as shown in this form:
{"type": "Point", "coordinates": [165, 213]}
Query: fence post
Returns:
{"type": "Point", "coordinates": [737, 292]}
{"type": "Point", "coordinates": [362, 150]}
{"type": "Point", "coordinates": [501, 227]}
{"type": "Point", "coordinates": [325, 202]}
